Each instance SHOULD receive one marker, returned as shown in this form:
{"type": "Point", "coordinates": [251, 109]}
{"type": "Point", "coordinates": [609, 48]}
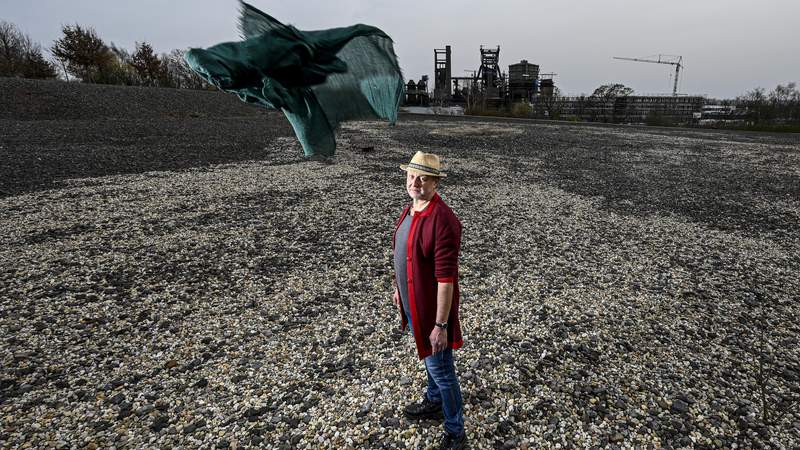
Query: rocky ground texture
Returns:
{"type": "Point", "coordinates": [174, 274]}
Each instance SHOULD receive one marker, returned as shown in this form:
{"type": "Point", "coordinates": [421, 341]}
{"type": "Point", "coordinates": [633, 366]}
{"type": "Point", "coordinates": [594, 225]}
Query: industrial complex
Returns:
{"type": "Point", "coordinates": [526, 91]}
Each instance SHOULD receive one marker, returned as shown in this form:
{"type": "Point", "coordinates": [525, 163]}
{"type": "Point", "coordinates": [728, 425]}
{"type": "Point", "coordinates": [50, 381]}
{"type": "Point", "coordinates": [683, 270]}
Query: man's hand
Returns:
{"type": "Point", "coordinates": [396, 298]}
{"type": "Point", "coordinates": [438, 339]}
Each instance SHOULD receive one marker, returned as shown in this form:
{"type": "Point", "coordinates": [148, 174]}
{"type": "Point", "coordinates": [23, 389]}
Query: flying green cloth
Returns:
{"type": "Point", "coordinates": [317, 78]}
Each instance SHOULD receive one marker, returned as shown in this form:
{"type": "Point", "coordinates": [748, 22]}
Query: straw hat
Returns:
{"type": "Point", "coordinates": [424, 164]}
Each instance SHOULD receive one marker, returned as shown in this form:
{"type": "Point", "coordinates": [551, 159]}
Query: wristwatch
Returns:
{"type": "Point", "coordinates": [442, 325]}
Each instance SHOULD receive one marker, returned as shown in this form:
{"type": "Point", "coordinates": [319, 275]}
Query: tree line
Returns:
{"type": "Point", "coordinates": [81, 54]}
{"type": "Point", "coordinates": [781, 106]}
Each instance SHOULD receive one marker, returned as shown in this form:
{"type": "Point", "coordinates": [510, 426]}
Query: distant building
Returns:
{"type": "Point", "coordinates": [523, 79]}
{"type": "Point", "coordinates": [722, 115]}
{"type": "Point", "coordinates": [654, 110]}
{"type": "Point", "coordinates": [416, 94]}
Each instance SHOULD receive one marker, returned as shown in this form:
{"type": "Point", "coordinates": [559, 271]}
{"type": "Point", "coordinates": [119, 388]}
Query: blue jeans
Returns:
{"type": "Point", "coordinates": [443, 387]}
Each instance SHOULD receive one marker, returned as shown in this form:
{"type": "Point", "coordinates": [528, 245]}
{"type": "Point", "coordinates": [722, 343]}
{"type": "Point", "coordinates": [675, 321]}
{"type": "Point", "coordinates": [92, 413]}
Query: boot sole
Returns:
{"type": "Point", "coordinates": [428, 416]}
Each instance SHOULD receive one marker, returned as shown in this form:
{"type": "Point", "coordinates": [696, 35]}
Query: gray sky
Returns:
{"type": "Point", "coordinates": [728, 46]}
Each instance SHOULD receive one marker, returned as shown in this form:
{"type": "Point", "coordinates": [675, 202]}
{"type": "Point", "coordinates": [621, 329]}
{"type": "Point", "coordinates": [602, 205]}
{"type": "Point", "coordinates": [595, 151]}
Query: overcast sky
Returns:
{"type": "Point", "coordinates": [728, 46]}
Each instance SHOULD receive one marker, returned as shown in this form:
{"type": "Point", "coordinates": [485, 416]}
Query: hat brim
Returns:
{"type": "Point", "coordinates": [422, 172]}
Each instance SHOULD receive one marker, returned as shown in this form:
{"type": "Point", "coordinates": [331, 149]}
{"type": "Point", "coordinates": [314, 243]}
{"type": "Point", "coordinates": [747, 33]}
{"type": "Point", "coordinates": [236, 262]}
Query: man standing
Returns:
{"type": "Point", "coordinates": [426, 243]}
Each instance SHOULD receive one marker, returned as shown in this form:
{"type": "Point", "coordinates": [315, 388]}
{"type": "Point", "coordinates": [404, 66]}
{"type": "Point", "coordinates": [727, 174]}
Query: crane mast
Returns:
{"type": "Point", "coordinates": [662, 59]}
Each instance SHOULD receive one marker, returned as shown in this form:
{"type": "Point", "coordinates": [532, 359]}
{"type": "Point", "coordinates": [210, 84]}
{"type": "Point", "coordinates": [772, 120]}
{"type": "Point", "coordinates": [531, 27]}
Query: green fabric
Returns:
{"type": "Point", "coordinates": [317, 78]}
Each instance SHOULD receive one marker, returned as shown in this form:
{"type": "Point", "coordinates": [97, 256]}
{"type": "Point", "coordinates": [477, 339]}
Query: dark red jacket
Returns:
{"type": "Point", "coordinates": [434, 241]}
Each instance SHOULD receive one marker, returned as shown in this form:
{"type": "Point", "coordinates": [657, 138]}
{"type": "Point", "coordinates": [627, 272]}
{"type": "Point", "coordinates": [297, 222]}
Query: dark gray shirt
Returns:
{"type": "Point", "coordinates": [400, 261]}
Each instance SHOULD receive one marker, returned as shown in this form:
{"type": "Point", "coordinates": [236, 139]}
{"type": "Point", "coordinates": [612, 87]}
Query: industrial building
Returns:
{"type": "Point", "coordinates": [489, 88]}
{"type": "Point", "coordinates": [416, 93]}
{"type": "Point", "coordinates": [652, 109]}
{"type": "Point", "coordinates": [522, 81]}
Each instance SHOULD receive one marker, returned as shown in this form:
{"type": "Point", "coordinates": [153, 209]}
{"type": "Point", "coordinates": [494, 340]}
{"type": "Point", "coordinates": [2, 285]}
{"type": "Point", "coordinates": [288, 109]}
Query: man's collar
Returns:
{"type": "Point", "coordinates": [427, 211]}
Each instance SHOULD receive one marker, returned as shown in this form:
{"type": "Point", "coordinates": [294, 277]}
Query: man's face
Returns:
{"type": "Point", "coordinates": [421, 187]}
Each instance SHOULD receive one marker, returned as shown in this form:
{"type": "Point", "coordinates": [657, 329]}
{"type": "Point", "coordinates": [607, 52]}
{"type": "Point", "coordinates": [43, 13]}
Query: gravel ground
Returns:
{"type": "Point", "coordinates": [174, 274]}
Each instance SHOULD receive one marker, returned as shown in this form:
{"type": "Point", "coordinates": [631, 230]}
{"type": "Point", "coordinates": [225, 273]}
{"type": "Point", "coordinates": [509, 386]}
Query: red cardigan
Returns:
{"type": "Point", "coordinates": [434, 241]}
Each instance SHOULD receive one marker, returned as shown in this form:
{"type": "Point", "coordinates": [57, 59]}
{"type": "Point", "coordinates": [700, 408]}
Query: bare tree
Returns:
{"type": "Point", "coordinates": [605, 95]}
{"type": "Point", "coordinates": [785, 103]}
{"type": "Point", "coordinates": [756, 102]}
{"type": "Point", "coordinates": [10, 47]}
{"type": "Point", "coordinates": [123, 70]}
{"type": "Point", "coordinates": [764, 322]}
{"type": "Point", "coordinates": [21, 57]}
{"type": "Point", "coordinates": [179, 73]}
{"type": "Point", "coordinates": [551, 104]}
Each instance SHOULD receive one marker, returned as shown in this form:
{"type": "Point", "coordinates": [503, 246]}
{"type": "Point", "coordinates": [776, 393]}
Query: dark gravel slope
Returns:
{"type": "Point", "coordinates": [23, 99]}
{"type": "Point", "coordinates": [53, 130]}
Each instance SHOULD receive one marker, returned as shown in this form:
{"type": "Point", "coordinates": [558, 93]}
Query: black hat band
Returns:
{"type": "Point", "coordinates": [423, 168]}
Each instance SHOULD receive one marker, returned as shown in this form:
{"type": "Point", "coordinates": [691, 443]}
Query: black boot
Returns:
{"type": "Point", "coordinates": [453, 442]}
{"type": "Point", "coordinates": [425, 409]}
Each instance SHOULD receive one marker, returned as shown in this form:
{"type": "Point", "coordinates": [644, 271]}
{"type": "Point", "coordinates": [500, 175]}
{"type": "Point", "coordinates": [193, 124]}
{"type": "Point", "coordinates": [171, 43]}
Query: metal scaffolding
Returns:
{"type": "Point", "coordinates": [491, 79]}
{"type": "Point", "coordinates": [443, 74]}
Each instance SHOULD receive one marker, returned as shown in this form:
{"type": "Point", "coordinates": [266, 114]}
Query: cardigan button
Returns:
{"type": "Point", "coordinates": [408, 258]}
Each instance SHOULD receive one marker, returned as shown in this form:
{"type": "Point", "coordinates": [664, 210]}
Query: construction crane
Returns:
{"type": "Point", "coordinates": [662, 59]}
